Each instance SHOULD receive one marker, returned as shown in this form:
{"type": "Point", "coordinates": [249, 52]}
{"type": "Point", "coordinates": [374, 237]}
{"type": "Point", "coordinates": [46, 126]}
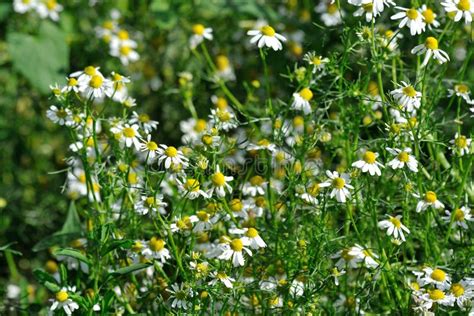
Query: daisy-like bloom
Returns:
{"type": "Point", "coordinates": [223, 119]}
{"type": "Point", "coordinates": [130, 135]}
{"type": "Point", "coordinates": [255, 186]}
{"type": "Point", "coordinates": [150, 148]}
{"type": "Point", "coordinates": [375, 7]}
{"type": "Point", "coordinates": [224, 68]}
{"type": "Point", "coordinates": [151, 204]}
{"type": "Point", "coordinates": [61, 116]}
{"type": "Point", "coordinates": [406, 95]}
{"type": "Point", "coordinates": [170, 156]}
{"type": "Point", "coordinates": [364, 255]}
{"type": "Point", "coordinates": [318, 62]}
{"type": "Point", "coordinates": [459, 216]}
{"type": "Point", "coordinates": [430, 47]}
{"type": "Point", "coordinates": [63, 301]}
{"type": "Point", "coordinates": [253, 239]}
{"type": "Point", "coordinates": [463, 292]}
{"type": "Point", "coordinates": [366, 7]}
{"type": "Point", "coordinates": [340, 185]}
{"type": "Point", "coordinates": [49, 9]}
{"type": "Point", "coordinates": [412, 18]}
{"type": "Point", "coordinates": [191, 188]}
{"type": "Point", "coordinates": [402, 158]}
{"type": "Point", "coordinates": [156, 249]}
{"type": "Point", "coordinates": [369, 163]}
{"type": "Point", "coordinates": [301, 100]}
{"type": "Point", "coordinates": [220, 183]}
{"type": "Point", "coordinates": [336, 273]}
{"type": "Point", "coordinates": [200, 33]}
{"type": "Point", "coordinates": [184, 224]}
{"type": "Point", "coordinates": [459, 9]}
{"type": "Point", "coordinates": [429, 199]}
{"type": "Point", "coordinates": [311, 193]}
{"type": "Point", "coordinates": [430, 17]}
{"type": "Point", "coordinates": [436, 277]}
{"type": "Point", "coordinates": [96, 85]}
{"type": "Point", "coordinates": [263, 144]}
{"type": "Point", "coordinates": [426, 300]}
{"type": "Point", "coordinates": [346, 259]}
{"type": "Point", "coordinates": [394, 227]}
{"type": "Point", "coordinates": [221, 277]}
{"type": "Point", "coordinates": [331, 15]}
{"type": "Point", "coordinates": [84, 76]}
{"type": "Point", "coordinates": [266, 36]}
{"type": "Point", "coordinates": [144, 121]}
{"type": "Point", "coordinates": [235, 252]}
{"type": "Point", "coordinates": [125, 51]}
{"type": "Point", "coordinates": [72, 85]}
{"type": "Point", "coordinates": [204, 221]}
{"type": "Point", "coordinates": [461, 144]}
{"type": "Point", "coordinates": [180, 294]}
{"type": "Point", "coordinates": [461, 90]}
{"type": "Point", "coordinates": [22, 6]}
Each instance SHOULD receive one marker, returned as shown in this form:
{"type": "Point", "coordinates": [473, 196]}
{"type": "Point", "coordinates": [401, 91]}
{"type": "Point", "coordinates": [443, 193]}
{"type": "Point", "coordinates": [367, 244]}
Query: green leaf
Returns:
{"type": "Point", "coordinates": [7, 248]}
{"type": "Point", "coordinates": [4, 10]}
{"type": "Point", "coordinates": [126, 244]}
{"type": "Point", "coordinates": [52, 287]}
{"type": "Point", "coordinates": [131, 268]}
{"type": "Point", "coordinates": [68, 252]}
{"type": "Point", "coordinates": [72, 223]}
{"type": "Point", "coordinates": [43, 277]}
{"type": "Point", "coordinates": [43, 59]}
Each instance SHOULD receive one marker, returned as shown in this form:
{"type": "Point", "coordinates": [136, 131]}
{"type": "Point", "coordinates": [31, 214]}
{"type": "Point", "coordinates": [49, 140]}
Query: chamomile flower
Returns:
{"type": "Point", "coordinates": [461, 90]}
{"type": "Point", "coordinates": [180, 294]}
{"type": "Point", "coordinates": [191, 188]}
{"type": "Point", "coordinates": [331, 15]}
{"type": "Point", "coordinates": [432, 297]}
{"type": "Point", "coordinates": [96, 85]}
{"type": "Point", "coordinates": [345, 259]}
{"type": "Point", "coordinates": [430, 17]}
{"type": "Point", "coordinates": [340, 185]}
{"type": "Point", "coordinates": [253, 239]}
{"type": "Point", "coordinates": [62, 300]}
{"type": "Point", "coordinates": [394, 227]}
{"type": "Point", "coordinates": [436, 277]}
{"type": "Point", "coordinates": [263, 144]}
{"type": "Point", "coordinates": [336, 273]}
{"type": "Point", "coordinates": [459, 217]}
{"type": "Point", "coordinates": [430, 47]}
{"type": "Point", "coordinates": [235, 252]}
{"type": "Point", "coordinates": [369, 163]}
{"type": "Point", "coordinates": [151, 204]}
{"type": "Point", "coordinates": [130, 135]}
{"type": "Point", "coordinates": [125, 51]}
{"type": "Point", "coordinates": [155, 249]}
{"type": "Point", "coordinates": [170, 156]}
{"type": "Point", "coordinates": [460, 9]}
{"type": "Point", "coordinates": [144, 121]}
{"type": "Point", "coordinates": [364, 255]}
{"type": "Point", "coordinates": [150, 148]}
{"type": "Point", "coordinates": [223, 119]}
{"type": "Point", "coordinates": [266, 36]}
{"type": "Point", "coordinates": [200, 33]}
{"type": "Point", "coordinates": [412, 18]}
{"type": "Point", "coordinates": [72, 85]}
{"type": "Point", "coordinates": [220, 183]}
{"type": "Point", "coordinates": [203, 221]}
{"type": "Point", "coordinates": [49, 9]}
{"type": "Point", "coordinates": [402, 158]}
{"type": "Point", "coordinates": [406, 95]}
{"type": "Point", "coordinates": [316, 61]}
{"type": "Point", "coordinates": [311, 193]}
{"type": "Point", "coordinates": [461, 144]}
{"type": "Point", "coordinates": [22, 6]}
{"type": "Point", "coordinates": [463, 292]}
{"type": "Point", "coordinates": [301, 100]}
{"type": "Point", "coordinates": [429, 200]}
{"type": "Point", "coordinates": [255, 186]}
{"type": "Point", "coordinates": [61, 116]}
{"type": "Point", "coordinates": [221, 277]}
{"type": "Point", "coordinates": [224, 68]}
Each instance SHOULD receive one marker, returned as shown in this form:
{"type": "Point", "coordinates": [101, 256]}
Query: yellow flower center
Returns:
{"type": "Point", "coordinates": [436, 294]}
{"type": "Point", "coordinates": [236, 205]}
{"type": "Point", "coordinates": [457, 289]}
{"type": "Point", "coordinates": [316, 61]}
{"type": "Point", "coordinates": [458, 215]}
{"type": "Point", "coordinates": [198, 29]}
{"type": "Point", "coordinates": [338, 183]}
{"type": "Point", "coordinates": [51, 4]}
{"type": "Point", "coordinates": [313, 189]}
{"type": "Point", "coordinates": [62, 296]}
{"type": "Point", "coordinates": [129, 132]}
{"type": "Point", "coordinates": [82, 178]}
{"type": "Point", "coordinates": [150, 201]}
{"type": "Point", "coordinates": [236, 245]}
{"type": "Point", "coordinates": [96, 81]}
{"type": "Point", "coordinates": [203, 216]}
{"type": "Point", "coordinates": [151, 146]}
{"type": "Point", "coordinates": [464, 5]}
{"type": "Point", "coordinates": [373, 88]}
{"type": "Point", "coordinates": [61, 113]}
{"type": "Point", "coordinates": [461, 88]}
{"type": "Point", "coordinates": [409, 91]}
{"type": "Point", "coordinates": [429, 16]}
{"type": "Point", "coordinates": [256, 181]}
{"type": "Point", "coordinates": [412, 14]}
{"type": "Point", "coordinates": [125, 50]}
{"type": "Point", "coordinates": [192, 185]}
{"type": "Point", "coordinates": [396, 222]}
{"type": "Point", "coordinates": [132, 178]}
{"type": "Point", "coordinates": [137, 246]}
{"type": "Point", "coordinates": [123, 35]}
{"type": "Point", "coordinates": [156, 244]}
{"type": "Point", "coordinates": [368, 7]}
{"type": "Point", "coordinates": [403, 156]}
{"type": "Point", "coordinates": [222, 62]}
{"type": "Point", "coordinates": [332, 8]}
{"type": "Point", "coordinates": [200, 125]}
{"type": "Point", "coordinates": [221, 275]}
{"type": "Point", "coordinates": [89, 70]}
{"type": "Point", "coordinates": [171, 151]}
{"type": "Point", "coordinates": [346, 256]}
{"type": "Point", "coordinates": [438, 275]}
{"type": "Point", "coordinates": [430, 197]}
{"type": "Point", "coordinates": [369, 157]}
{"type": "Point", "coordinates": [251, 233]}
{"type": "Point", "coordinates": [431, 43]}
{"type": "Point", "coordinates": [461, 141]}
{"type": "Point", "coordinates": [267, 30]}
{"type": "Point", "coordinates": [184, 223]}
{"type": "Point", "coordinates": [223, 116]}
{"type": "Point", "coordinates": [72, 82]}
{"type": "Point", "coordinates": [298, 121]}
{"type": "Point", "coordinates": [108, 25]}
{"type": "Point", "coordinates": [306, 94]}
{"type": "Point", "coordinates": [218, 179]}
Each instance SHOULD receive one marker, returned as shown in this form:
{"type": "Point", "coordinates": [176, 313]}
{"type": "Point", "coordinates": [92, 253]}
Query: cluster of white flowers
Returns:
{"type": "Point", "coordinates": [44, 8]}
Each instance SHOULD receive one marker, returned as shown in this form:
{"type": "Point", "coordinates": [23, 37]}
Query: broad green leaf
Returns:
{"type": "Point", "coordinates": [73, 254]}
{"type": "Point", "coordinates": [72, 223]}
{"type": "Point", "coordinates": [116, 244]}
{"type": "Point", "coordinates": [131, 268]}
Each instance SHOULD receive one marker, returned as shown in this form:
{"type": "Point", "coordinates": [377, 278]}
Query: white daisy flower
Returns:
{"type": "Point", "coordinates": [369, 164]}
{"type": "Point", "coordinates": [460, 9]}
{"type": "Point", "coordinates": [223, 119]}
{"type": "Point", "coordinates": [144, 121]}
{"type": "Point", "coordinates": [463, 292]}
{"type": "Point", "coordinates": [403, 158]}
{"type": "Point", "coordinates": [224, 68]}
{"type": "Point", "coordinates": [255, 186]}
{"type": "Point", "coordinates": [150, 148]}
{"type": "Point", "coordinates": [96, 86]}
{"type": "Point", "coordinates": [180, 295]}
{"type": "Point", "coordinates": [169, 155]}
{"type": "Point", "coordinates": [459, 216]}
{"type": "Point", "coordinates": [200, 33]}
{"type": "Point", "coordinates": [461, 144]}
{"type": "Point", "coordinates": [266, 36]}
{"type": "Point", "coordinates": [407, 96]}
{"type": "Point", "coordinates": [184, 224]}
{"type": "Point", "coordinates": [429, 199]}
{"type": "Point", "coordinates": [394, 227]}
{"type": "Point", "coordinates": [125, 51]}
{"type": "Point", "coordinates": [61, 116]}
{"type": "Point", "coordinates": [49, 9]}
{"type": "Point", "coordinates": [63, 301]}
{"type": "Point", "coordinates": [461, 90]}
{"type": "Point", "coordinates": [331, 15]}
{"type": "Point", "coordinates": [151, 204]}
{"type": "Point", "coordinates": [221, 277]}
{"type": "Point", "coordinates": [235, 252]}
{"type": "Point", "coordinates": [263, 144]}
{"type": "Point", "coordinates": [364, 255]}
{"type": "Point", "coordinates": [203, 221]}
{"type": "Point", "coordinates": [130, 135]}
{"type": "Point", "coordinates": [72, 85]}
{"type": "Point", "coordinates": [220, 183]}
{"type": "Point", "coordinates": [345, 259]}
{"type": "Point", "coordinates": [253, 239]}
{"type": "Point", "coordinates": [436, 277]}
{"type": "Point", "coordinates": [22, 6]}
{"type": "Point", "coordinates": [412, 18]}
{"type": "Point", "coordinates": [434, 296]}
{"type": "Point", "coordinates": [301, 101]}
{"type": "Point", "coordinates": [430, 17]}
{"type": "Point", "coordinates": [191, 188]}
{"type": "Point", "coordinates": [311, 193]}
{"type": "Point", "coordinates": [340, 185]}
{"type": "Point", "coordinates": [155, 249]}
{"type": "Point", "coordinates": [430, 47]}
{"type": "Point", "coordinates": [318, 62]}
